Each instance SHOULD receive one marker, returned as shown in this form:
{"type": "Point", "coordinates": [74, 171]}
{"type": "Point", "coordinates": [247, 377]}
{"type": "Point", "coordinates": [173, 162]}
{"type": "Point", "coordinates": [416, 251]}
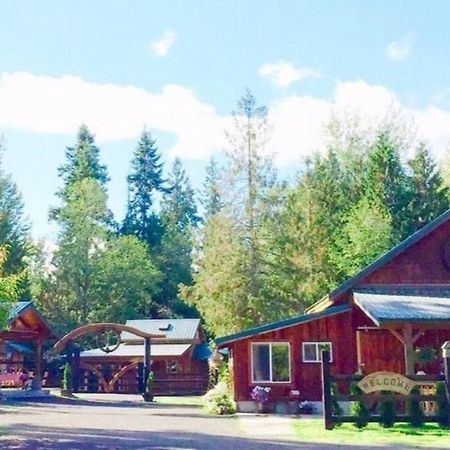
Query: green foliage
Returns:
{"type": "Point", "coordinates": [414, 410]}
{"type": "Point", "coordinates": [150, 382]}
{"type": "Point", "coordinates": [219, 400]}
{"type": "Point", "coordinates": [144, 182]}
{"type": "Point", "coordinates": [366, 234]}
{"type": "Point", "coordinates": [387, 413]}
{"type": "Point", "coordinates": [67, 377]}
{"type": "Point", "coordinates": [429, 196]}
{"type": "Point", "coordinates": [336, 407]}
{"type": "Point", "coordinates": [443, 405]}
{"type": "Point", "coordinates": [10, 288]}
{"type": "Point", "coordinates": [82, 161]}
{"type": "Point", "coordinates": [212, 196]}
{"type": "Point", "coordinates": [359, 408]}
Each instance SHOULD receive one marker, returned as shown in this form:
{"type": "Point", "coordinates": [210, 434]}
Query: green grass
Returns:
{"type": "Point", "coordinates": [429, 436]}
{"type": "Point", "coordinates": [193, 400]}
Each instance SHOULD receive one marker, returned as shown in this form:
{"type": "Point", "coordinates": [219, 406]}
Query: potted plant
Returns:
{"type": "Point", "coordinates": [261, 396]}
{"type": "Point", "coordinates": [148, 394]}
{"type": "Point", "coordinates": [306, 407]}
{"type": "Point", "coordinates": [66, 389]}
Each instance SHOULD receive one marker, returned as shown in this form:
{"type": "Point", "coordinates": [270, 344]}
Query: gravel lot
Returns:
{"type": "Point", "coordinates": [123, 422]}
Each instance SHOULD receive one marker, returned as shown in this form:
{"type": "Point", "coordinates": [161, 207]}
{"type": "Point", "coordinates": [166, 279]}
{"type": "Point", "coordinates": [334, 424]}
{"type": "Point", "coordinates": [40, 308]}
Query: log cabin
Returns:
{"type": "Point", "coordinates": [179, 360]}
{"type": "Point", "coordinates": [383, 318]}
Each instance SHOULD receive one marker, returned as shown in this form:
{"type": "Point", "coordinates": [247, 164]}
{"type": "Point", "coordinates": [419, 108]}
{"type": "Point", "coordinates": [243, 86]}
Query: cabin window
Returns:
{"type": "Point", "coordinates": [270, 362]}
{"type": "Point", "coordinates": [312, 351]}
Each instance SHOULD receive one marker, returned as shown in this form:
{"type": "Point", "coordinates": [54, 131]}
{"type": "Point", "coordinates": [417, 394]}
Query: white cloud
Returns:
{"type": "Point", "coordinates": [58, 105]}
{"type": "Point", "coordinates": [284, 73]}
{"type": "Point", "coordinates": [161, 46]}
{"type": "Point", "coordinates": [400, 50]}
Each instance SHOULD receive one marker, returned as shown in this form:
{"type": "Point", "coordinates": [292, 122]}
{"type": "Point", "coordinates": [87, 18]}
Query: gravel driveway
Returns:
{"type": "Point", "coordinates": [124, 423]}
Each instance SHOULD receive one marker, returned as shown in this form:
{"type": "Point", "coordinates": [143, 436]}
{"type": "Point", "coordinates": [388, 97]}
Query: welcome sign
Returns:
{"type": "Point", "coordinates": [386, 381]}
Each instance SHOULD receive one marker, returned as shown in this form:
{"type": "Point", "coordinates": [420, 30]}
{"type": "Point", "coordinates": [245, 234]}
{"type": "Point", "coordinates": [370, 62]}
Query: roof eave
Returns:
{"type": "Point", "coordinates": [304, 318]}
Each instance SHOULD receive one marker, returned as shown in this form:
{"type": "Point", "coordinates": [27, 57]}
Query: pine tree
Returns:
{"type": "Point", "coordinates": [144, 182]}
{"type": "Point", "coordinates": [429, 196]}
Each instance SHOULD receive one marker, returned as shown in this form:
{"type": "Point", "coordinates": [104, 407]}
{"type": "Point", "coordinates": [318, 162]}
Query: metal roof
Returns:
{"type": "Point", "coordinates": [381, 261]}
{"type": "Point", "coordinates": [138, 350]}
{"type": "Point", "coordinates": [282, 324]}
{"type": "Point", "coordinates": [383, 308]}
{"type": "Point", "coordinates": [17, 308]}
{"type": "Point", "coordinates": [173, 329]}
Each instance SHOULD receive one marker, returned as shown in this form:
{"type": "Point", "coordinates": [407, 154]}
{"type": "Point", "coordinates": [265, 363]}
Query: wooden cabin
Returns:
{"type": "Point", "coordinates": [21, 344]}
{"type": "Point", "coordinates": [384, 318]}
{"type": "Point", "coordinates": [179, 360]}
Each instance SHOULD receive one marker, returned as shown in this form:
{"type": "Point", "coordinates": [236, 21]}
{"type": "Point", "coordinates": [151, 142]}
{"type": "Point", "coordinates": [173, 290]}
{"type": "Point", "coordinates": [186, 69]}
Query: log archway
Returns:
{"type": "Point", "coordinates": [99, 328]}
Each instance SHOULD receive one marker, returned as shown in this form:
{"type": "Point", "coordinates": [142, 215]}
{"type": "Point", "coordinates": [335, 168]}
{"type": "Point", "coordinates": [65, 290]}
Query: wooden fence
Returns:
{"type": "Point", "coordinates": [328, 397]}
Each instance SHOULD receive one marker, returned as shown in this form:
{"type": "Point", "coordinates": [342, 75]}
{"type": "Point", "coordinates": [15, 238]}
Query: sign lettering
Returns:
{"type": "Point", "coordinates": [386, 381]}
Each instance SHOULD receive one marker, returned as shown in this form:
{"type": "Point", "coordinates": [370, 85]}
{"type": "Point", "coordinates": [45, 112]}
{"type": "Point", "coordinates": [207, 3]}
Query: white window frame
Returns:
{"type": "Point", "coordinates": [288, 344]}
{"type": "Point", "coordinates": [319, 358]}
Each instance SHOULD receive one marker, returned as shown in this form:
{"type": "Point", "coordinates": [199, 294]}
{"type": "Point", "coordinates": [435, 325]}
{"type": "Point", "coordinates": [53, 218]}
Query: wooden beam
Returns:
{"type": "Point", "coordinates": [397, 335]}
{"type": "Point", "coordinates": [409, 349]}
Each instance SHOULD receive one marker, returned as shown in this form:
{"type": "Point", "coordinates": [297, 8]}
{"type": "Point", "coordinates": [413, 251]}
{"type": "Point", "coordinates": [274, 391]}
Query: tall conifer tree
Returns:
{"type": "Point", "coordinates": [144, 182]}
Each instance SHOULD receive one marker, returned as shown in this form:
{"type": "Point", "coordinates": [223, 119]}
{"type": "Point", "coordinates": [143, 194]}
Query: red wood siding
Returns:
{"type": "Point", "coordinates": [304, 376]}
{"type": "Point", "coordinates": [422, 263]}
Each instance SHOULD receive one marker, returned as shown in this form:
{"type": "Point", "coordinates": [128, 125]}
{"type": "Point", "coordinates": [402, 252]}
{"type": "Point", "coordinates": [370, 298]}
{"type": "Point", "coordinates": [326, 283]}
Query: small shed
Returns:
{"type": "Point", "coordinates": [384, 318]}
{"type": "Point", "coordinates": [179, 360]}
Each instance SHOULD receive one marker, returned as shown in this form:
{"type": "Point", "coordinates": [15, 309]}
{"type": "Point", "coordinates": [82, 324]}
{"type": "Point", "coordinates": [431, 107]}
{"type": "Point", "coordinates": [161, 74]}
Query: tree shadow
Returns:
{"type": "Point", "coordinates": [27, 437]}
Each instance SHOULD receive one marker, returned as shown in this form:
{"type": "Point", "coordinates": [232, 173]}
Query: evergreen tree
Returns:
{"type": "Point", "coordinates": [144, 182]}
{"type": "Point", "coordinates": [82, 160]}
{"type": "Point", "coordinates": [179, 206]}
{"type": "Point", "coordinates": [429, 196]}
{"type": "Point", "coordinates": [241, 267]}
{"type": "Point", "coordinates": [387, 183]}
{"type": "Point", "coordinates": [180, 219]}
{"type": "Point", "coordinates": [14, 227]}
{"type": "Point", "coordinates": [212, 199]}
{"type": "Point", "coordinates": [366, 234]}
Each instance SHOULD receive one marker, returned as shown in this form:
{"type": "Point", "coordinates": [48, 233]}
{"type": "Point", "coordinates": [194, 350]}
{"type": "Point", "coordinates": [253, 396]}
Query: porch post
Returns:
{"type": "Point", "coordinates": [326, 391]}
{"type": "Point", "coordinates": [409, 349]}
{"type": "Point", "coordinates": [36, 383]}
{"type": "Point", "coordinates": [147, 360]}
{"type": "Point", "coordinates": [446, 357]}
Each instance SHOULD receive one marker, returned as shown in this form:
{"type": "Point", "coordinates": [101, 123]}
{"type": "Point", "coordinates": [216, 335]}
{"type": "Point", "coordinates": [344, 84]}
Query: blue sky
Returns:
{"type": "Point", "coordinates": [179, 67]}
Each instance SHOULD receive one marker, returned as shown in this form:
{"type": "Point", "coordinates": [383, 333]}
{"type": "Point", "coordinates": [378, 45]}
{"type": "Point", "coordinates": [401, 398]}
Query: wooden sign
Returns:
{"type": "Point", "coordinates": [386, 381]}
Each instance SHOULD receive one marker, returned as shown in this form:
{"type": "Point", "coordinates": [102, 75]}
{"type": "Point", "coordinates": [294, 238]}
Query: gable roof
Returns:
{"type": "Point", "coordinates": [378, 263]}
{"type": "Point", "coordinates": [20, 307]}
{"type": "Point", "coordinates": [173, 329]}
{"type": "Point", "coordinates": [281, 324]}
{"type": "Point", "coordinates": [384, 308]}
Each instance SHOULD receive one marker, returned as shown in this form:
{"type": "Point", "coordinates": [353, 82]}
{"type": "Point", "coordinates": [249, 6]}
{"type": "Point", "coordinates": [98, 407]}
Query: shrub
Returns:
{"type": "Point", "coordinates": [150, 382]}
{"type": "Point", "coordinates": [443, 407]}
{"type": "Point", "coordinates": [387, 412]}
{"type": "Point", "coordinates": [219, 401]}
{"type": "Point", "coordinates": [359, 409]}
{"type": "Point", "coordinates": [67, 377]}
{"type": "Point", "coordinates": [414, 410]}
